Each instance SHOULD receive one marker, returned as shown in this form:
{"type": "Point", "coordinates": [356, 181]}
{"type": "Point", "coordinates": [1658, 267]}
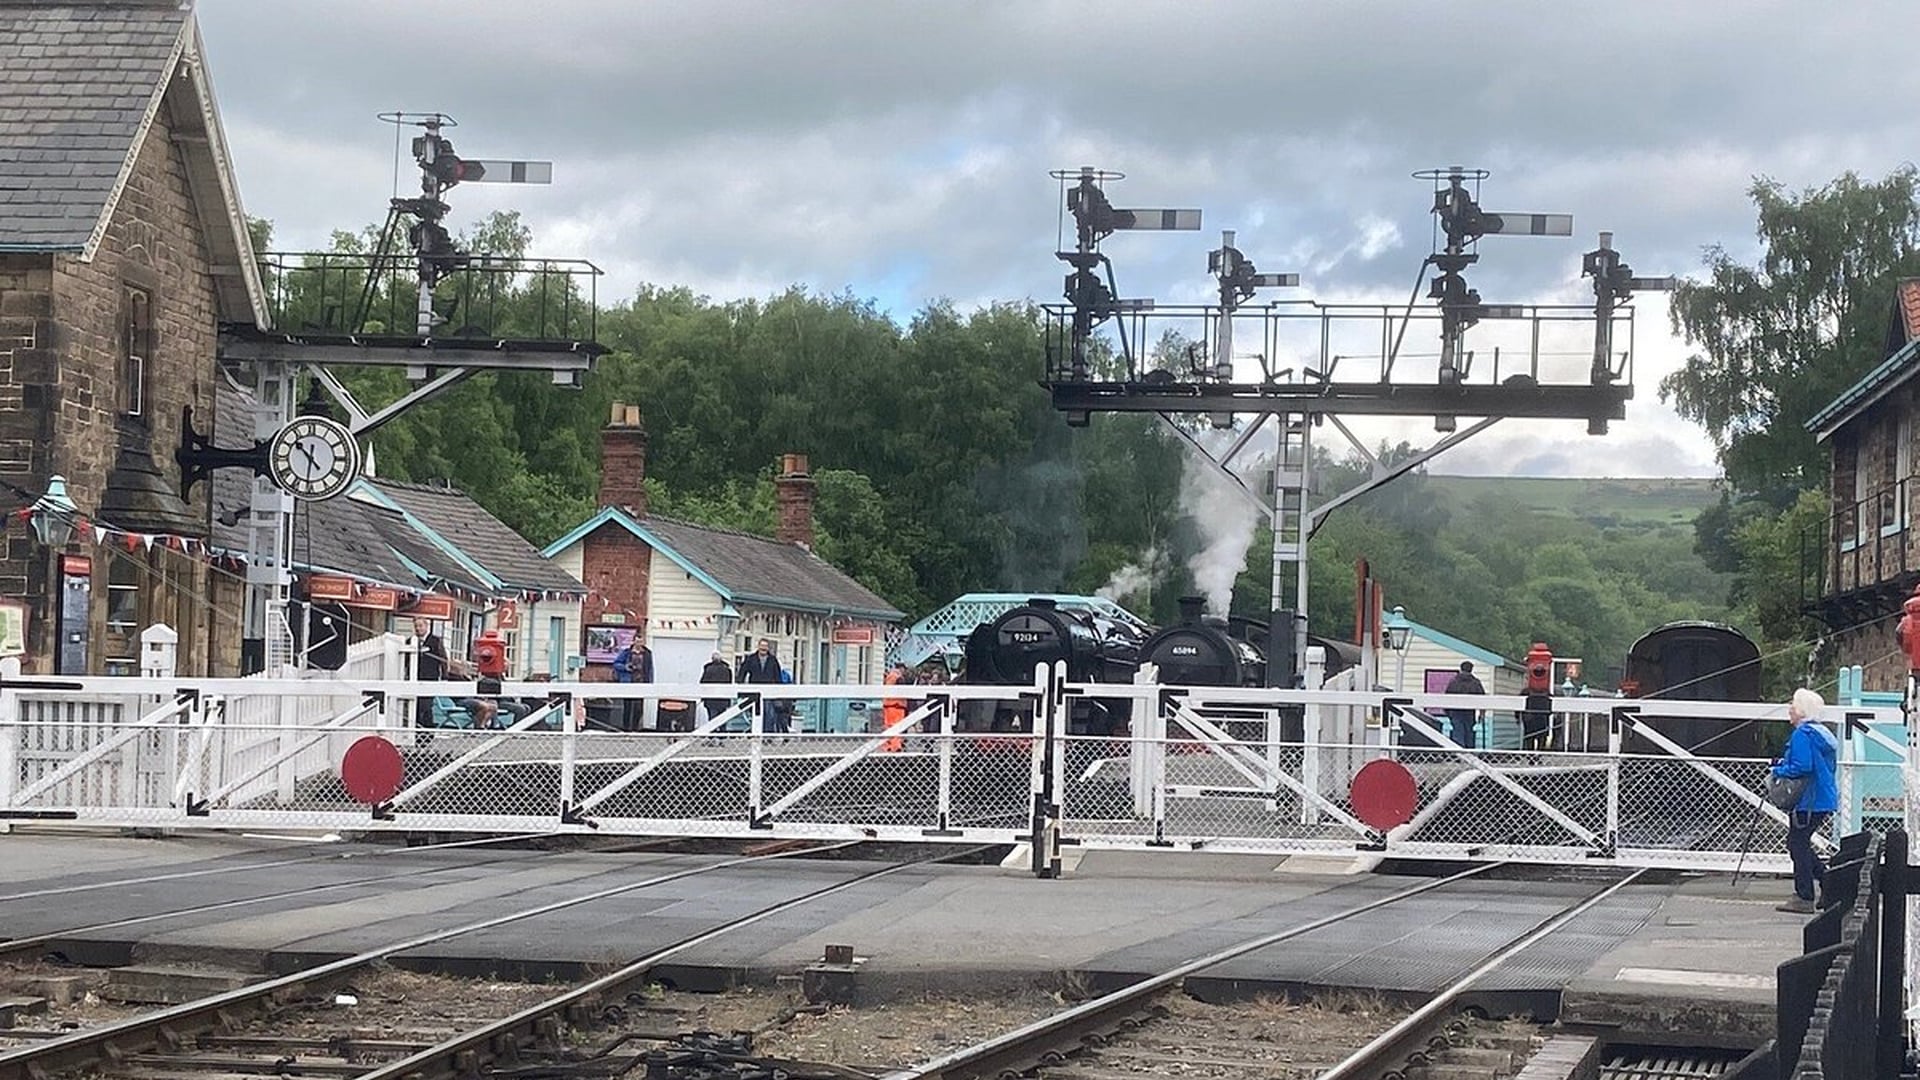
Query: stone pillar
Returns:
{"type": "Point", "coordinates": [793, 502]}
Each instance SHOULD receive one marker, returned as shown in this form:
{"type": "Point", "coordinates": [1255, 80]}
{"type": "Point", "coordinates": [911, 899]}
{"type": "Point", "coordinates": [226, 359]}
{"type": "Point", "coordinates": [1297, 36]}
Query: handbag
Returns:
{"type": "Point", "coordinates": [1783, 792]}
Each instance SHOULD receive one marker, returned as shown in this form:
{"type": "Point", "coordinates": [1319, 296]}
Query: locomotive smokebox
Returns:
{"type": "Point", "coordinates": [1191, 609]}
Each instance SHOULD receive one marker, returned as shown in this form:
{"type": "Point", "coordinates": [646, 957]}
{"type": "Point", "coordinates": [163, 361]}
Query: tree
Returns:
{"type": "Point", "coordinates": [1781, 339]}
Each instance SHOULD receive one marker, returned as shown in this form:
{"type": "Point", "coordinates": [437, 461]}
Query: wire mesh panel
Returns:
{"type": "Point", "coordinates": [1227, 769]}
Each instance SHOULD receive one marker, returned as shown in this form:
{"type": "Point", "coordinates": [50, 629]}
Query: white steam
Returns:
{"type": "Point", "coordinates": [1226, 521]}
{"type": "Point", "coordinates": [1135, 580]}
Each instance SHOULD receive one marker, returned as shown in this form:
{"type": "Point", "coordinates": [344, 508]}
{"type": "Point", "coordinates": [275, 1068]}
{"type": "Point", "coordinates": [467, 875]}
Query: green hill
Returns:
{"type": "Point", "coordinates": [1646, 503]}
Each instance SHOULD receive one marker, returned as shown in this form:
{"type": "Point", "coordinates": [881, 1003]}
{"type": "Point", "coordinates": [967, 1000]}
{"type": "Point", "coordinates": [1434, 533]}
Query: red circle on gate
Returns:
{"type": "Point", "coordinates": [1384, 794]}
{"type": "Point", "coordinates": [371, 770]}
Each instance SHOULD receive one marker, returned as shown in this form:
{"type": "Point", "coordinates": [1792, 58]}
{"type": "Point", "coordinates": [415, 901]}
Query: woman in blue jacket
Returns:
{"type": "Point", "coordinates": [1811, 752]}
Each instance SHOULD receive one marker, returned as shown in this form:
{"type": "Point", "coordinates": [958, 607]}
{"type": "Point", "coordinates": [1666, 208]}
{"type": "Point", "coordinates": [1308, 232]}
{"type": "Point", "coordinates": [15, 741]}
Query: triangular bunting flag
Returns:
{"type": "Point", "coordinates": [146, 540]}
{"type": "Point", "coordinates": [99, 534]}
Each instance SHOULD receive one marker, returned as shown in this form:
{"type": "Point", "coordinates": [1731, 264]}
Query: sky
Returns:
{"type": "Point", "coordinates": [900, 151]}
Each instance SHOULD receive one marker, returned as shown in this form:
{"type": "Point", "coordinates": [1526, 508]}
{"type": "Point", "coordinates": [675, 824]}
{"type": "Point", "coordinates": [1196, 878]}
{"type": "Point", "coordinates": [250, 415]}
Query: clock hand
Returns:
{"type": "Point", "coordinates": [306, 453]}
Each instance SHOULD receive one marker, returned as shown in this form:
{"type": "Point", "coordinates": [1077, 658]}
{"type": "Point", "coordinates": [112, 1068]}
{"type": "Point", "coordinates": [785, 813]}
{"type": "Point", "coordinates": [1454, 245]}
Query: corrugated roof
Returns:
{"type": "Point", "coordinates": [76, 84]}
{"type": "Point", "coordinates": [479, 535]}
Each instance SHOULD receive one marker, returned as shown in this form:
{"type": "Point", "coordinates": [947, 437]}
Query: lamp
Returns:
{"type": "Point", "coordinates": [1398, 629]}
{"type": "Point", "coordinates": [1399, 633]}
{"type": "Point", "coordinates": [54, 514]}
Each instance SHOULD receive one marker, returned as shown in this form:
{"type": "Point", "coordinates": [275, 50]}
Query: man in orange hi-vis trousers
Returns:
{"type": "Point", "coordinates": [894, 710]}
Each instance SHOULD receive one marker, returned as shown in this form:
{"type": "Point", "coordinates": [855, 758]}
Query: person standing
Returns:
{"type": "Point", "coordinates": [633, 664]}
{"type": "Point", "coordinates": [1811, 754]}
{"type": "Point", "coordinates": [1461, 721]}
{"type": "Point", "coordinates": [761, 666]}
{"type": "Point", "coordinates": [717, 672]}
{"type": "Point", "coordinates": [429, 665]}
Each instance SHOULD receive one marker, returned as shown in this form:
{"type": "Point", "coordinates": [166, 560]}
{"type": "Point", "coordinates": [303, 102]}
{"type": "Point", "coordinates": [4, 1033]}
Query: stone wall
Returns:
{"type": "Point", "coordinates": [66, 380]}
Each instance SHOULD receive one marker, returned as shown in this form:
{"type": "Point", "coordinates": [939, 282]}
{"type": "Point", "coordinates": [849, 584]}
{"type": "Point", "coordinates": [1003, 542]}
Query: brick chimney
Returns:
{"type": "Point", "coordinates": [793, 502]}
{"type": "Point", "coordinates": [623, 461]}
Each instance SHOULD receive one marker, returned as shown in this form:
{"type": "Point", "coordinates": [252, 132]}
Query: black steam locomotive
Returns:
{"type": "Point", "coordinates": [1004, 652]}
{"type": "Point", "coordinates": [1199, 650]}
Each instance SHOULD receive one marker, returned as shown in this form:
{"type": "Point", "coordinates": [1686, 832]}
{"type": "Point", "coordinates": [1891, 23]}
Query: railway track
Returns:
{"type": "Point", "coordinates": [37, 945]}
{"type": "Point", "coordinates": [277, 1015]}
{"type": "Point", "coordinates": [1079, 1042]}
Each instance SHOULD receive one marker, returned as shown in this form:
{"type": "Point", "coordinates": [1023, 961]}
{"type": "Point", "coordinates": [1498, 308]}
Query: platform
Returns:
{"type": "Point", "coordinates": [1688, 959]}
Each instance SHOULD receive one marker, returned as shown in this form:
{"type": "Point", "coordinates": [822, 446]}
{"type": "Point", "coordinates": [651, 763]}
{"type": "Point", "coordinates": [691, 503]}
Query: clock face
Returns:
{"type": "Point", "coordinates": [314, 458]}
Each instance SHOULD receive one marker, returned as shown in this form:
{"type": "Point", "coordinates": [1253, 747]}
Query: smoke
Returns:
{"type": "Point", "coordinates": [1135, 579]}
{"type": "Point", "coordinates": [1041, 536]}
{"type": "Point", "coordinates": [1226, 521]}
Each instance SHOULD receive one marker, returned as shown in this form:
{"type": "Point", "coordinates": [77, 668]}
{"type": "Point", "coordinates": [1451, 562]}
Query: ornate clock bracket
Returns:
{"type": "Point", "coordinates": [198, 457]}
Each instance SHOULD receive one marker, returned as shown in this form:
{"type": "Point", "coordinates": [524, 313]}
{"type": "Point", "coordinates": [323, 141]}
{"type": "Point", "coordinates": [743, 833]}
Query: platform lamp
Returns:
{"type": "Point", "coordinates": [1399, 635]}
{"type": "Point", "coordinates": [54, 514]}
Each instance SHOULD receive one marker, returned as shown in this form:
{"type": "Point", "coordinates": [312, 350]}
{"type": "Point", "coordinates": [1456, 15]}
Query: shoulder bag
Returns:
{"type": "Point", "coordinates": [1783, 792]}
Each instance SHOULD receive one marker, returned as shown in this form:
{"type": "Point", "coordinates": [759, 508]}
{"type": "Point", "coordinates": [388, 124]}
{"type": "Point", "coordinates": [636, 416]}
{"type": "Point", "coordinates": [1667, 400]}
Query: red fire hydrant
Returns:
{"type": "Point", "coordinates": [1539, 669]}
{"type": "Point", "coordinates": [1907, 633]}
{"type": "Point", "coordinates": [490, 655]}
{"type": "Point", "coordinates": [1536, 722]}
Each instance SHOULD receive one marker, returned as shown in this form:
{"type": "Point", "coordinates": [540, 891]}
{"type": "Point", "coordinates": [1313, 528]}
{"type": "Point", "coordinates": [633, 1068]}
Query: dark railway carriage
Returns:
{"type": "Point", "coordinates": [1699, 661]}
{"type": "Point", "coordinates": [1694, 661]}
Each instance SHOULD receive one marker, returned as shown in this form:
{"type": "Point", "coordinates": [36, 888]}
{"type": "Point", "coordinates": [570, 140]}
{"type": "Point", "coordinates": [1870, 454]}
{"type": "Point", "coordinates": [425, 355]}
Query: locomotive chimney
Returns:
{"type": "Point", "coordinates": [793, 502]}
{"type": "Point", "coordinates": [1191, 609]}
{"type": "Point", "coordinates": [623, 461]}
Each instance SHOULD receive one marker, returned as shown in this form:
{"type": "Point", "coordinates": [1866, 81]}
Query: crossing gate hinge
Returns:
{"type": "Point", "coordinates": [198, 807]}
{"type": "Point", "coordinates": [758, 820]}
{"type": "Point", "coordinates": [383, 811]}
{"type": "Point", "coordinates": [571, 815]}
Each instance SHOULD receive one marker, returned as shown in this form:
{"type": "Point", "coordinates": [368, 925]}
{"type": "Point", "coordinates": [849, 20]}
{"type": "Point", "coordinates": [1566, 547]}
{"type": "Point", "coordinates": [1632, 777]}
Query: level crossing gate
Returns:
{"type": "Point", "coordinates": [1197, 768]}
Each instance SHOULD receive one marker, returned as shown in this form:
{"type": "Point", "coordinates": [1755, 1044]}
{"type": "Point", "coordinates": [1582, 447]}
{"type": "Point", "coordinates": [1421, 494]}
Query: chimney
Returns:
{"type": "Point", "coordinates": [623, 461]}
{"type": "Point", "coordinates": [793, 502]}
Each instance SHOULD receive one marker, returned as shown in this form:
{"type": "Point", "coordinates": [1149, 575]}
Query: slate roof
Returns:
{"type": "Point", "coordinates": [479, 535]}
{"type": "Point", "coordinates": [745, 567]}
{"type": "Point", "coordinates": [356, 537]}
{"type": "Point", "coordinates": [76, 84]}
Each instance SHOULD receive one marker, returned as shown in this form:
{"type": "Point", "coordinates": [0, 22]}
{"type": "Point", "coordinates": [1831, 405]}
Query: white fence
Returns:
{"type": "Point", "coordinates": [1242, 770]}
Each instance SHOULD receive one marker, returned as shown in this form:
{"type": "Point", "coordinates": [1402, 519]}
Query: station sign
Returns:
{"type": "Point", "coordinates": [321, 587]}
{"type": "Point", "coordinates": [853, 635]}
{"type": "Point", "coordinates": [430, 607]}
{"type": "Point", "coordinates": [377, 597]}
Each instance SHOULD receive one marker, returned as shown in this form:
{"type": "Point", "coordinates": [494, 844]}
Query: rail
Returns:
{"type": "Point", "coordinates": [1053, 1037]}
{"type": "Point", "coordinates": [488, 297]}
{"type": "Point", "coordinates": [170, 1024]}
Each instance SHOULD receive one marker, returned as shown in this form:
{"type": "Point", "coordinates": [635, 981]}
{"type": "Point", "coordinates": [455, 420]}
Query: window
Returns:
{"type": "Point", "coordinates": [1846, 485]}
{"type": "Point", "coordinates": [136, 349]}
{"type": "Point", "coordinates": [1893, 497]}
{"type": "Point", "coordinates": [123, 616]}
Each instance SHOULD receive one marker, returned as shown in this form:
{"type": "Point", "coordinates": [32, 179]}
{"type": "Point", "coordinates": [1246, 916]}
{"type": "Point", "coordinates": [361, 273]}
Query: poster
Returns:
{"type": "Point", "coordinates": [13, 628]}
{"type": "Point", "coordinates": [605, 642]}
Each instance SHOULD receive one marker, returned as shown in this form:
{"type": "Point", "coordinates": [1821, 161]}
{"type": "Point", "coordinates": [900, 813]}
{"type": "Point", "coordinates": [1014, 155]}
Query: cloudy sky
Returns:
{"type": "Point", "coordinates": [901, 150]}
